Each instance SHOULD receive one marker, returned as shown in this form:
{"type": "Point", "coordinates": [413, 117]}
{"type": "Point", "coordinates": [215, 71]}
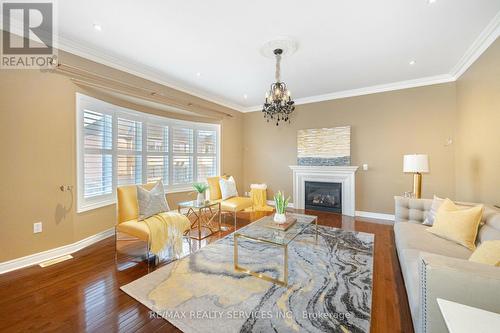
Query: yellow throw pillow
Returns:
{"type": "Point", "coordinates": [457, 224]}
{"type": "Point", "coordinates": [214, 187]}
{"type": "Point", "coordinates": [487, 253]}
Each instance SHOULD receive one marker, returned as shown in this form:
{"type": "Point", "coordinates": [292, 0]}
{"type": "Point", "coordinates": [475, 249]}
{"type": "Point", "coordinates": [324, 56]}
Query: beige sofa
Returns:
{"type": "Point", "coordinates": [434, 268]}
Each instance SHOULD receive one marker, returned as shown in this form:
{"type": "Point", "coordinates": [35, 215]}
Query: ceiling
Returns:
{"type": "Point", "coordinates": [212, 48]}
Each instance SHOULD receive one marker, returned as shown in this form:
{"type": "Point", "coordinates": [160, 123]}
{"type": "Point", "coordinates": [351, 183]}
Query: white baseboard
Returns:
{"type": "Point", "coordinates": [372, 215]}
{"type": "Point", "coordinates": [359, 213]}
{"type": "Point", "coordinates": [37, 258]}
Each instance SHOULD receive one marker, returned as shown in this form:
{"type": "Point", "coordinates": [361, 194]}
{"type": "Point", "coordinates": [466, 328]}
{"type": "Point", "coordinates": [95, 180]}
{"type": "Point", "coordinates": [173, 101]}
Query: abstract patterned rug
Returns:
{"type": "Point", "coordinates": [330, 286]}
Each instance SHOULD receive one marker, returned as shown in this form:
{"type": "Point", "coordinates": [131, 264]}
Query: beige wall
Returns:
{"type": "Point", "coordinates": [478, 130]}
{"type": "Point", "coordinates": [384, 127]}
{"type": "Point", "coordinates": [37, 145]}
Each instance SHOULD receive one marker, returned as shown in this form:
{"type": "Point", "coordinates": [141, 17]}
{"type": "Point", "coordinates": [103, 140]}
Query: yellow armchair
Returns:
{"type": "Point", "coordinates": [232, 205]}
{"type": "Point", "coordinates": [128, 212]}
{"type": "Point", "coordinates": [127, 217]}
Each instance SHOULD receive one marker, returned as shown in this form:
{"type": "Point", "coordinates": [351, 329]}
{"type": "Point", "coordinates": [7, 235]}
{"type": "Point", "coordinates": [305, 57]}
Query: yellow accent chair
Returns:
{"type": "Point", "coordinates": [127, 217]}
{"type": "Point", "coordinates": [231, 205]}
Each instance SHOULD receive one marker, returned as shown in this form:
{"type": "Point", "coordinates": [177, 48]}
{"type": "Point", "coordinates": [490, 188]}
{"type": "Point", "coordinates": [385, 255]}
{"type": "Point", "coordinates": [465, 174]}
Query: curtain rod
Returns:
{"type": "Point", "coordinates": [86, 77]}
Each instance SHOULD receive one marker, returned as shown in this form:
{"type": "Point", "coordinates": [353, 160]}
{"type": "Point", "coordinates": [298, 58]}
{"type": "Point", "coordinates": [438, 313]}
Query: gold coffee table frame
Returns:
{"type": "Point", "coordinates": [283, 245]}
{"type": "Point", "coordinates": [204, 216]}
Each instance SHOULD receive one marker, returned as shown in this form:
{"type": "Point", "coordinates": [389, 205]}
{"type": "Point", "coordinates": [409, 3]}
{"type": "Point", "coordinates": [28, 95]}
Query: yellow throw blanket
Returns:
{"type": "Point", "coordinates": [259, 198]}
{"type": "Point", "coordinates": [167, 229]}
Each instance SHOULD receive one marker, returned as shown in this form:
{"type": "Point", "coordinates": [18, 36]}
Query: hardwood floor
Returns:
{"type": "Point", "coordinates": [83, 294]}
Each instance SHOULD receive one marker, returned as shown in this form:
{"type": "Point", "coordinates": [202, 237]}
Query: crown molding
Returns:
{"type": "Point", "coordinates": [127, 66]}
{"type": "Point", "coordinates": [480, 44]}
{"type": "Point", "coordinates": [426, 81]}
{"type": "Point", "coordinates": [137, 69]}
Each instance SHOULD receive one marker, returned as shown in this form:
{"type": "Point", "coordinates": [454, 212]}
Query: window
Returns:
{"type": "Point", "coordinates": [118, 146]}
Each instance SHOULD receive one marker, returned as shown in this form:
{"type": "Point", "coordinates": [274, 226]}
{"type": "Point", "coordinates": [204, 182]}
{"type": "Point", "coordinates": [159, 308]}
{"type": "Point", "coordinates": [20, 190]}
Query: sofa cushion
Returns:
{"type": "Point", "coordinates": [411, 210]}
{"type": "Point", "coordinates": [490, 230]}
{"type": "Point", "coordinates": [486, 233]}
{"type": "Point", "coordinates": [415, 236]}
{"type": "Point", "coordinates": [487, 253]}
{"type": "Point", "coordinates": [409, 262]}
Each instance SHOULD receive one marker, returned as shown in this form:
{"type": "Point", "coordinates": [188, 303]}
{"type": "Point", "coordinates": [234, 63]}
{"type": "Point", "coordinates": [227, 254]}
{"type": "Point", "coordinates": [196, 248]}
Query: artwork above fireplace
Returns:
{"type": "Point", "coordinates": [324, 146]}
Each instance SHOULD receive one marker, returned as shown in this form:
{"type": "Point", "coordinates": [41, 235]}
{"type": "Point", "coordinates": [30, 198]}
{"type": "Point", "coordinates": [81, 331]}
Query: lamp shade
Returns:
{"type": "Point", "coordinates": [416, 163]}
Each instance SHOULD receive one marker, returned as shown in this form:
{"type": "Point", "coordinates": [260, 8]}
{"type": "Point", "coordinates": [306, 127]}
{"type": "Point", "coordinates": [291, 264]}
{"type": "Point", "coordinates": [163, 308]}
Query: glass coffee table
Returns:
{"type": "Point", "coordinates": [258, 231]}
{"type": "Point", "coordinates": [206, 215]}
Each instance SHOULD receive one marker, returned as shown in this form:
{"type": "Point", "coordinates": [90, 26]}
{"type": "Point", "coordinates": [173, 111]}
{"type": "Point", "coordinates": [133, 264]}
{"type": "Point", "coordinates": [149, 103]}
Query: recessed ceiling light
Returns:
{"type": "Point", "coordinates": [97, 27]}
{"type": "Point", "coordinates": [431, 1]}
{"type": "Point", "coordinates": [245, 96]}
{"type": "Point", "coordinates": [413, 62]}
{"type": "Point", "coordinates": [198, 74]}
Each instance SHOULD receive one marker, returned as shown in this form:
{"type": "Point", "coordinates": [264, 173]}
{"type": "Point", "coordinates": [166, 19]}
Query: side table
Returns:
{"type": "Point", "coordinates": [205, 216]}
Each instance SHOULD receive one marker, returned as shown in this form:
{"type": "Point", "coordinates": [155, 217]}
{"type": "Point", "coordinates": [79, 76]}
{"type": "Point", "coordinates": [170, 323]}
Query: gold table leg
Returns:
{"type": "Point", "coordinates": [220, 225]}
{"type": "Point", "coordinates": [262, 276]}
{"type": "Point", "coordinates": [202, 221]}
{"type": "Point", "coordinates": [316, 222]}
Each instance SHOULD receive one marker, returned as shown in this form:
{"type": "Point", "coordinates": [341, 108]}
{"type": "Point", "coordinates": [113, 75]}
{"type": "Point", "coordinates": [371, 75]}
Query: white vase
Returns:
{"type": "Point", "coordinates": [279, 218]}
{"type": "Point", "coordinates": [200, 199]}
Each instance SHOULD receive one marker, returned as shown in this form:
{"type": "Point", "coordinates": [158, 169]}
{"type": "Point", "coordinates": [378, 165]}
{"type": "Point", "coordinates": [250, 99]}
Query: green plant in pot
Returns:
{"type": "Point", "coordinates": [280, 204]}
{"type": "Point", "coordinates": [201, 188]}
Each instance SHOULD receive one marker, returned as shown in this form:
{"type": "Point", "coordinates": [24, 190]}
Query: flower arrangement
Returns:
{"type": "Point", "coordinates": [280, 204]}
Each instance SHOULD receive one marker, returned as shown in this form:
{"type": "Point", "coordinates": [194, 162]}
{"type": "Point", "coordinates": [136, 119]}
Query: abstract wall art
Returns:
{"type": "Point", "coordinates": [324, 146]}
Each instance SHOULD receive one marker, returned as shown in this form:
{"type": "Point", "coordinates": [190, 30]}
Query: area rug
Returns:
{"type": "Point", "coordinates": [329, 286]}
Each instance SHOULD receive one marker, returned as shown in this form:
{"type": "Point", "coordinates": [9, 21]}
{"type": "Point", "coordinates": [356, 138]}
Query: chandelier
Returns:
{"type": "Point", "coordinates": [278, 105]}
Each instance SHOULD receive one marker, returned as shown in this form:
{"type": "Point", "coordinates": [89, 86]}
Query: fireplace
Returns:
{"type": "Point", "coordinates": [344, 175]}
{"type": "Point", "coordinates": [323, 196]}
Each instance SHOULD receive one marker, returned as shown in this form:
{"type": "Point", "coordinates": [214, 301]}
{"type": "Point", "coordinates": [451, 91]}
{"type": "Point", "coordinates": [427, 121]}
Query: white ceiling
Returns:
{"type": "Point", "coordinates": [344, 47]}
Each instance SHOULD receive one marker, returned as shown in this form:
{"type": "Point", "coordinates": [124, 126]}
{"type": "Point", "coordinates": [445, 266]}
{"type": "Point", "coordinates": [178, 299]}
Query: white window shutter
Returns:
{"type": "Point", "coordinates": [97, 159]}
{"type": "Point", "coordinates": [118, 146]}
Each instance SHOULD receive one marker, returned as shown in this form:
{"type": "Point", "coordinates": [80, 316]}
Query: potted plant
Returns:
{"type": "Point", "coordinates": [200, 188]}
{"type": "Point", "coordinates": [280, 204]}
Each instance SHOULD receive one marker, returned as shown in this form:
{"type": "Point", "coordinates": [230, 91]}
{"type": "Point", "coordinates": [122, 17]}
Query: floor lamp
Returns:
{"type": "Point", "coordinates": [416, 164]}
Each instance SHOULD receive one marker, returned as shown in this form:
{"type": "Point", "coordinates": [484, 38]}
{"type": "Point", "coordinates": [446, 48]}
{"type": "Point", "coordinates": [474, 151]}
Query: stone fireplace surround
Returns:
{"type": "Point", "coordinates": [328, 174]}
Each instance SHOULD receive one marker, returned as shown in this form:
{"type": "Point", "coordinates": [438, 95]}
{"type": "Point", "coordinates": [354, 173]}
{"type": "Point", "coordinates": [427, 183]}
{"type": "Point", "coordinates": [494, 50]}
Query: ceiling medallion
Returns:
{"type": "Point", "coordinates": [279, 104]}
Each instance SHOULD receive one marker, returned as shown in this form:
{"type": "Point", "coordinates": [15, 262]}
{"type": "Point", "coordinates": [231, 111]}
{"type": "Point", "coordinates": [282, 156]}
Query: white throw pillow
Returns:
{"type": "Point", "coordinates": [151, 202]}
{"type": "Point", "coordinates": [228, 188]}
{"type": "Point", "coordinates": [431, 215]}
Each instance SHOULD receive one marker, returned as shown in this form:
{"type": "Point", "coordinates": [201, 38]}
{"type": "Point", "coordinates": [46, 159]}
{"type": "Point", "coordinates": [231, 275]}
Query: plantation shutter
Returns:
{"type": "Point", "coordinates": [182, 155]}
{"type": "Point", "coordinates": [206, 157]}
{"type": "Point", "coordinates": [118, 146]}
{"type": "Point", "coordinates": [157, 153]}
{"type": "Point", "coordinates": [98, 154]}
{"type": "Point", "coordinates": [129, 151]}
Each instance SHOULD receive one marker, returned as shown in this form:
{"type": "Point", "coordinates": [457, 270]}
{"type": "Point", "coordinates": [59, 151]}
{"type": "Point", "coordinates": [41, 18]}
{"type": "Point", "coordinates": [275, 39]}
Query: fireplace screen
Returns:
{"type": "Point", "coordinates": [323, 196]}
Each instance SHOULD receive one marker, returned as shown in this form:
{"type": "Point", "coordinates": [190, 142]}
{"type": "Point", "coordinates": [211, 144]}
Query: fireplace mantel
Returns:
{"type": "Point", "coordinates": [331, 174]}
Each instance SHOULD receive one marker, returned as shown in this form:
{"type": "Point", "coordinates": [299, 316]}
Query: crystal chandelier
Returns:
{"type": "Point", "coordinates": [279, 104]}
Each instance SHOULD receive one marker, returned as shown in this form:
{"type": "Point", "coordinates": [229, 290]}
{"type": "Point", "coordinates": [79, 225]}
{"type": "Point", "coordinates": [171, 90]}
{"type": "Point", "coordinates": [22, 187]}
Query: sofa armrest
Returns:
{"type": "Point", "coordinates": [456, 280]}
{"type": "Point", "coordinates": [411, 210]}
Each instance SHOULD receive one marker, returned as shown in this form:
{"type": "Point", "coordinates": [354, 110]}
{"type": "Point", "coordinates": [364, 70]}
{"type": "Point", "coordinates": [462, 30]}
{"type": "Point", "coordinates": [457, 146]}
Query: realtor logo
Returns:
{"type": "Point", "coordinates": [28, 35]}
